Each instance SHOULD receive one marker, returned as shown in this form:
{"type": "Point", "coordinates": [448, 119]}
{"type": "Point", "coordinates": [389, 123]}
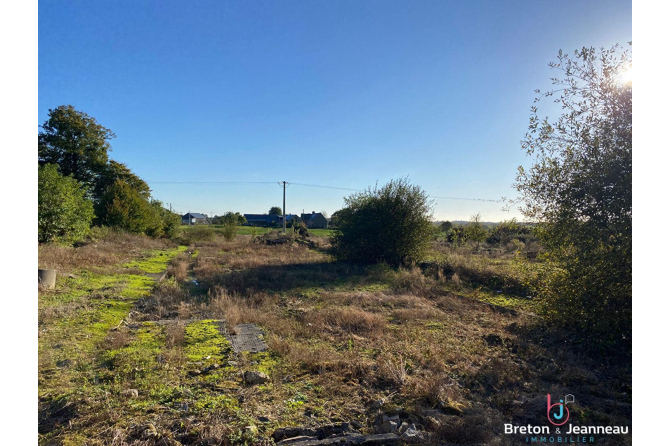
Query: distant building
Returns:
{"type": "Point", "coordinates": [315, 220]}
{"type": "Point", "coordinates": [193, 218]}
{"type": "Point", "coordinates": [267, 219]}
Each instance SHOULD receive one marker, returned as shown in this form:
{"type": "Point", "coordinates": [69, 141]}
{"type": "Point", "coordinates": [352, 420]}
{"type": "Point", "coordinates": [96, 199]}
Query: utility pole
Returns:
{"type": "Point", "coordinates": [284, 207]}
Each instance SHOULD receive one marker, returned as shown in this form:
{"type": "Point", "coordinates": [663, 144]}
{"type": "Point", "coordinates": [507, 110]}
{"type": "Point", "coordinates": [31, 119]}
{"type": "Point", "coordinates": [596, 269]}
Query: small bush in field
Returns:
{"type": "Point", "coordinates": [229, 231]}
{"type": "Point", "coordinates": [302, 229]}
{"type": "Point", "coordinates": [475, 230]}
{"type": "Point", "coordinates": [390, 224]}
{"type": "Point", "coordinates": [198, 233]}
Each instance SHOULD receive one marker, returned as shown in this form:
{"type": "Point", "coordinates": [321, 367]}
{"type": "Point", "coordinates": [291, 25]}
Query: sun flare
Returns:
{"type": "Point", "coordinates": [626, 75]}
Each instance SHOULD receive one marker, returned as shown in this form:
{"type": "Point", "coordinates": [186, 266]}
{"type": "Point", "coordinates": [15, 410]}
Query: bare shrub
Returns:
{"type": "Point", "coordinates": [393, 368]}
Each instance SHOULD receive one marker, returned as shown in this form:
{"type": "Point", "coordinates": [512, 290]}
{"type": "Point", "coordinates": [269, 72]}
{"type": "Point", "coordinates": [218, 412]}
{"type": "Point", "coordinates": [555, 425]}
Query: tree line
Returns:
{"type": "Point", "coordinates": [79, 185]}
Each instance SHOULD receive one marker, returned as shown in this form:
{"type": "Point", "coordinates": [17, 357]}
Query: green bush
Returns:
{"type": "Point", "coordinates": [123, 207]}
{"type": "Point", "coordinates": [63, 212]}
{"type": "Point", "coordinates": [170, 222]}
{"type": "Point", "coordinates": [510, 230]}
{"type": "Point", "coordinates": [475, 230]}
{"type": "Point", "coordinates": [229, 217]}
{"type": "Point", "coordinates": [389, 224]}
{"type": "Point", "coordinates": [229, 231]}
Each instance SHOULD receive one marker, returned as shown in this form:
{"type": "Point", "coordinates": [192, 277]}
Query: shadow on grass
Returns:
{"type": "Point", "coordinates": [301, 276]}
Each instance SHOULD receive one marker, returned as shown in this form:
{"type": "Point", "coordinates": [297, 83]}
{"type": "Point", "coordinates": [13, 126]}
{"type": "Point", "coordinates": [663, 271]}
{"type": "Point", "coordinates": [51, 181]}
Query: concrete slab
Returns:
{"type": "Point", "coordinates": [247, 338]}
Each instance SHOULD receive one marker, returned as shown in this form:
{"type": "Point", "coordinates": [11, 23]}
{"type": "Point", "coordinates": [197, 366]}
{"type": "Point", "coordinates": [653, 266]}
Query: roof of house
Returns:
{"type": "Point", "coordinates": [194, 215]}
{"type": "Point", "coordinates": [311, 216]}
{"type": "Point", "coordinates": [261, 217]}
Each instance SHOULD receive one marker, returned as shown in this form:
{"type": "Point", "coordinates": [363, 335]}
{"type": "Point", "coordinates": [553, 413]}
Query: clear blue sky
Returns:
{"type": "Point", "coordinates": [337, 93]}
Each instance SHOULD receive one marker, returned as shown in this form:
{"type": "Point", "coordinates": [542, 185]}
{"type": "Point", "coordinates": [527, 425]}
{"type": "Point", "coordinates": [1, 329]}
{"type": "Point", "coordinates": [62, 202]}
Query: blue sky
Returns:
{"type": "Point", "coordinates": [344, 93]}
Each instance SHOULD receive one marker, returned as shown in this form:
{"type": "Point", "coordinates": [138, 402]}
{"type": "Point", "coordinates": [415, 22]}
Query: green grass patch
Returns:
{"type": "Point", "coordinates": [155, 261]}
{"type": "Point", "coordinates": [138, 358]}
{"type": "Point", "coordinates": [204, 342]}
{"type": "Point", "coordinates": [508, 301]}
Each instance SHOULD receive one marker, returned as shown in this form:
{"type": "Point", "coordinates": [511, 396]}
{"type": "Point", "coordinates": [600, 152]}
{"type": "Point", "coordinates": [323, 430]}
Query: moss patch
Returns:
{"type": "Point", "coordinates": [204, 342]}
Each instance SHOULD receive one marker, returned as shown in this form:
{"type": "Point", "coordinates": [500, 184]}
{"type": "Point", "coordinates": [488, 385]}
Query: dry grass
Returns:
{"type": "Point", "coordinates": [179, 268]}
{"type": "Point", "coordinates": [164, 303]}
{"type": "Point", "coordinates": [497, 270]}
{"type": "Point", "coordinates": [103, 248]}
{"type": "Point", "coordinates": [343, 336]}
{"type": "Point", "coordinates": [240, 309]}
{"type": "Point", "coordinates": [344, 321]}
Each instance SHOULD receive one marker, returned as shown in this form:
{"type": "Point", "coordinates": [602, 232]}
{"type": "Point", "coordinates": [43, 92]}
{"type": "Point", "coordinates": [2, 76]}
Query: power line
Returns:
{"type": "Point", "coordinates": [469, 199]}
{"type": "Point", "coordinates": [211, 182]}
{"type": "Point", "coordinates": [321, 186]}
{"type": "Point", "coordinates": [328, 187]}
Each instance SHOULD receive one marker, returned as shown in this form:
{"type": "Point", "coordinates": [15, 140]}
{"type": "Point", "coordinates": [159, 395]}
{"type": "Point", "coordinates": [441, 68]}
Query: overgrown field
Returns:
{"type": "Point", "coordinates": [453, 345]}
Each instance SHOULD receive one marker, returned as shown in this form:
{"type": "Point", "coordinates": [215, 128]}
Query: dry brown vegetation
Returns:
{"type": "Point", "coordinates": [103, 247]}
{"type": "Point", "coordinates": [349, 342]}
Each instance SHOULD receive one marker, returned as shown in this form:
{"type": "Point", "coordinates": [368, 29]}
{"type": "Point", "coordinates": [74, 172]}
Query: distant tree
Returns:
{"type": "Point", "coordinates": [234, 218]}
{"type": "Point", "coordinates": [446, 226]}
{"type": "Point", "coordinates": [389, 224]}
{"type": "Point", "coordinates": [456, 235]}
{"type": "Point", "coordinates": [76, 143]}
{"type": "Point", "coordinates": [275, 210]}
{"type": "Point", "coordinates": [229, 230]}
{"type": "Point", "coordinates": [579, 190]}
{"type": "Point", "coordinates": [63, 211]}
{"type": "Point", "coordinates": [507, 231]}
{"type": "Point", "coordinates": [475, 230]}
{"type": "Point", "coordinates": [335, 219]}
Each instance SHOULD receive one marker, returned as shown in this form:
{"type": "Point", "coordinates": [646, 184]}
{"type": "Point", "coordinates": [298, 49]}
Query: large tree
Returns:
{"type": "Point", "coordinates": [389, 224]}
{"type": "Point", "coordinates": [76, 143]}
{"type": "Point", "coordinates": [579, 190]}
